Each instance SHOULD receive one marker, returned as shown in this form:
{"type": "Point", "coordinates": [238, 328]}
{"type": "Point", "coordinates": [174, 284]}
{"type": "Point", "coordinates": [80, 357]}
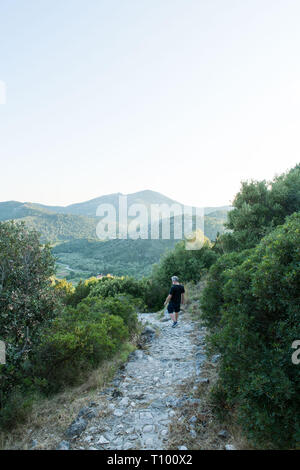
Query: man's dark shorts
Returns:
{"type": "Point", "coordinates": [173, 308]}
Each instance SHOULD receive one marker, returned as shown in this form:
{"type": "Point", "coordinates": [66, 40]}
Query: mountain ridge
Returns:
{"type": "Point", "coordinates": [16, 209]}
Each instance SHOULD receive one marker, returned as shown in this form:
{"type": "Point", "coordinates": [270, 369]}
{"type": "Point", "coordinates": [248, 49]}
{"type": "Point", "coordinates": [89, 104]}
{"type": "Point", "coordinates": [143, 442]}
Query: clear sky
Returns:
{"type": "Point", "coordinates": [184, 97]}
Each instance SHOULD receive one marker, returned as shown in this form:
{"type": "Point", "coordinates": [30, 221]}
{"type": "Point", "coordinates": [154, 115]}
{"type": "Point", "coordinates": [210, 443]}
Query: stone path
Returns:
{"type": "Point", "coordinates": [135, 411]}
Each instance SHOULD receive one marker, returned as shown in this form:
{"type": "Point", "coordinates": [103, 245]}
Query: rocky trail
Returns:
{"type": "Point", "coordinates": [135, 411]}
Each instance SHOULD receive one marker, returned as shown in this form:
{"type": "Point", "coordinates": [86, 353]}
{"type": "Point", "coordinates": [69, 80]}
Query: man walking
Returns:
{"type": "Point", "coordinates": [174, 299]}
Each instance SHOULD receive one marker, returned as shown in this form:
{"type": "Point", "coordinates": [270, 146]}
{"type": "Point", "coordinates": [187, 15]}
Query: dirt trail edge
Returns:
{"type": "Point", "coordinates": [136, 410]}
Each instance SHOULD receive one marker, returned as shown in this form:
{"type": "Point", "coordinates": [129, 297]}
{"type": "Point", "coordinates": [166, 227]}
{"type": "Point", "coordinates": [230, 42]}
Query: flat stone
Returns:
{"type": "Point", "coordinates": [102, 440]}
{"type": "Point", "coordinates": [146, 416]}
{"type": "Point", "coordinates": [118, 412]}
{"type": "Point", "coordinates": [215, 358]}
{"type": "Point", "coordinates": [229, 447]}
{"type": "Point", "coordinates": [86, 413]}
{"type": "Point", "coordinates": [93, 429]}
{"type": "Point", "coordinates": [223, 433]}
{"type": "Point", "coordinates": [148, 428]}
{"type": "Point", "coordinates": [76, 428]}
{"type": "Point", "coordinates": [34, 443]}
{"type": "Point", "coordinates": [124, 401]}
{"type": "Point", "coordinates": [148, 331]}
{"type": "Point", "coordinates": [182, 448]}
{"type": "Point", "coordinates": [158, 404]}
{"type": "Point", "coordinates": [193, 419]}
{"type": "Point", "coordinates": [202, 381]}
{"type": "Point", "coordinates": [63, 445]}
{"type": "Point", "coordinates": [139, 354]}
{"type": "Point", "coordinates": [129, 431]}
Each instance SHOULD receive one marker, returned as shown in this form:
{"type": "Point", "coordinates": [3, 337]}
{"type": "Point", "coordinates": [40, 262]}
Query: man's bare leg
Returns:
{"type": "Point", "coordinates": [176, 316]}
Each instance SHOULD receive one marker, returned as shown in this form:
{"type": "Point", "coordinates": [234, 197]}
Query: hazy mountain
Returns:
{"type": "Point", "coordinates": [15, 209]}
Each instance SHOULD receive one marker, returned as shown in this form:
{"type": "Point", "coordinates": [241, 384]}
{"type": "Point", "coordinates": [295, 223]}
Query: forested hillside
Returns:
{"type": "Point", "coordinates": [80, 254]}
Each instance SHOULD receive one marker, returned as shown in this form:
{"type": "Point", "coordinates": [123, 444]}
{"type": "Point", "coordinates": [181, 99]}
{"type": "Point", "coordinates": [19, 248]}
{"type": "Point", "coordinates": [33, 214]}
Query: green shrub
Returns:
{"type": "Point", "coordinates": [112, 286]}
{"type": "Point", "coordinates": [121, 306]}
{"type": "Point", "coordinates": [15, 409]}
{"type": "Point", "coordinates": [259, 321]}
{"type": "Point", "coordinates": [27, 303]}
{"type": "Point", "coordinates": [188, 265]}
{"type": "Point", "coordinates": [76, 343]}
{"type": "Point", "coordinates": [81, 291]}
{"type": "Point", "coordinates": [259, 207]}
{"type": "Point", "coordinates": [212, 298]}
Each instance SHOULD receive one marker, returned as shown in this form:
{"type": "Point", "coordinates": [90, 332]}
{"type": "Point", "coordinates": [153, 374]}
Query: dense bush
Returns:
{"type": "Point", "coordinates": [121, 305]}
{"type": "Point", "coordinates": [259, 207]}
{"type": "Point", "coordinates": [27, 302]}
{"type": "Point", "coordinates": [26, 296]}
{"type": "Point", "coordinates": [212, 299]}
{"type": "Point", "coordinates": [111, 286]}
{"type": "Point", "coordinates": [80, 292]}
{"type": "Point", "coordinates": [188, 265]}
{"type": "Point", "coordinates": [77, 342]}
{"type": "Point", "coordinates": [260, 320]}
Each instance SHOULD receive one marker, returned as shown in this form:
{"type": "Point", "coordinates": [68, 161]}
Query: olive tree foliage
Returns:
{"type": "Point", "coordinates": [26, 296]}
{"type": "Point", "coordinates": [258, 208]}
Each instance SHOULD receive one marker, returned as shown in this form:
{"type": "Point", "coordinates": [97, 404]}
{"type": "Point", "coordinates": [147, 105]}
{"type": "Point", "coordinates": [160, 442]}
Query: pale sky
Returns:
{"type": "Point", "coordinates": [184, 97]}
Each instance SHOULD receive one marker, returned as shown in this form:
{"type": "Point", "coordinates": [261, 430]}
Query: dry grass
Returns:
{"type": "Point", "coordinates": [49, 418]}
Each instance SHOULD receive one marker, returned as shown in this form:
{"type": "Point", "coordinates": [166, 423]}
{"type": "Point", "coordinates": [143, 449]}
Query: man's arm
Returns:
{"type": "Point", "coordinates": [167, 299]}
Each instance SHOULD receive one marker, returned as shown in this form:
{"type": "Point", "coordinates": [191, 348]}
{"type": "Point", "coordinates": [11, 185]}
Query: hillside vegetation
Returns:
{"type": "Point", "coordinates": [80, 254]}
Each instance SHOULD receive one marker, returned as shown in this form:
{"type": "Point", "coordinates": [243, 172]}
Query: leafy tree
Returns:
{"type": "Point", "coordinates": [27, 302]}
{"type": "Point", "coordinates": [26, 296]}
{"type": "Point", "coordinates": [259, 207]}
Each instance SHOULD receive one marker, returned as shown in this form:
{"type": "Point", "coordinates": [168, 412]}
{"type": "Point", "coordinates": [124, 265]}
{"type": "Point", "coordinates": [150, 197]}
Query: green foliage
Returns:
{"type": "Point", "coordinates": [121, 305]}
{"type": "Point", "coordinates": [77, 341]}
{"type": "Point", "coordinates": [27, 303]}
{"type": "Point", "coordinates": [110, 286]}
{"type": "Point", "coordinates": [212, 299]}
{"type": "Point", "coordinates": [81, 291]}
{"type": "Point", "coordinates": [64, 288]}
{"type": "Point", "coordinates": [26, 297]}
{"type": "Point", "coordinates": [117, 257]}
{"type": "Point", "coordinates": [16, 409]}
{"type": "Point", "coordinates": [259, 207]}
{"type": "Point", "coordinates": [259, 322]}
{"type": "Point", "coordinates": [188, 265]}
